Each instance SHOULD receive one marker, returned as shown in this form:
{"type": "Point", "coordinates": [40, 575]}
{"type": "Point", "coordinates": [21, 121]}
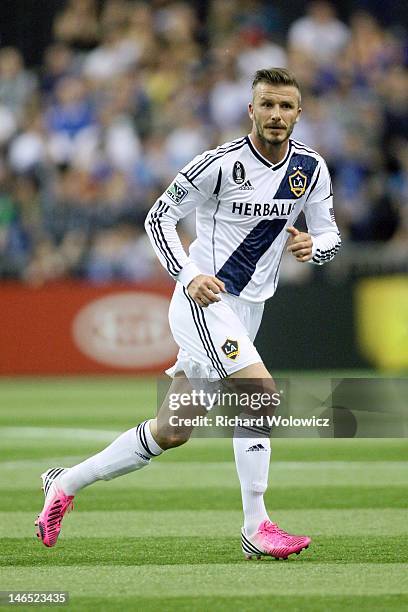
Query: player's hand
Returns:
{"type": "Point", "coordinates": [299, 244]}
{"type": "Point", "coordinates": [204, 289]}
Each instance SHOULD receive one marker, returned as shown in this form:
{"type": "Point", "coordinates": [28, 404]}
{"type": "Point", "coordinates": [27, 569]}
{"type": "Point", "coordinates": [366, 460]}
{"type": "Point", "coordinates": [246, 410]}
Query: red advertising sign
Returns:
{"type": "Point", "coordinates": [75, 328]}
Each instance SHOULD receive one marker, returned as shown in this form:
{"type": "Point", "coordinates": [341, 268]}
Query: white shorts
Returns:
{"type": "Point", "coordinates": [215, 341]}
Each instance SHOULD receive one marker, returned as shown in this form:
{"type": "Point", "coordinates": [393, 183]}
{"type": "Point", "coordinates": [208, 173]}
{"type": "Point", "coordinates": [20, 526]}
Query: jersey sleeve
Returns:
{"type": "Point", "coordinates": [320, 220]}
{"type": "Point", "coordinates": [193, 186]}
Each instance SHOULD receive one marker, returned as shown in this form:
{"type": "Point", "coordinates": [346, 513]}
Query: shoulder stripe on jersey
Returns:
{"type": "Point", "coordinates": [211, 154]}
{"type": "Point", "coordinates": [299, 148]}
{"type": "Point", "coordinates": [203, 337]}
{"type": "Point", "coordinates": [300, 145]}
{"type": "Point", "coordinates": [330, 178]}
{"type": "Point", "coordinates": [159, 238]}
{"type": "Point", "coordinates": [314, 184]}
{"type": "Point", "coordinates": [212, 160]}
{"type": "Point", "coordinates": [189, 180]}
{"type": "Point", "coordinates": [302, 149]}
{"type": "Point", "coordinates": [218, 185]}
{"type": "Point", "coordinates": [265, 161]}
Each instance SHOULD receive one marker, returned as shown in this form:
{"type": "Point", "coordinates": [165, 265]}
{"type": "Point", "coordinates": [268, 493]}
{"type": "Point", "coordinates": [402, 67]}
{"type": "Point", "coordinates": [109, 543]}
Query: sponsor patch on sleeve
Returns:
{"type": "Point", "coordinates": [176, 192]}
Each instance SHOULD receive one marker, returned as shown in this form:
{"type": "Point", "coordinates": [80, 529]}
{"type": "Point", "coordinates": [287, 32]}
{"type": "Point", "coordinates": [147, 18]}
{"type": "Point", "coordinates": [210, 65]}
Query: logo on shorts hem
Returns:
{"type": "Point", "coordinates": [230, 348]}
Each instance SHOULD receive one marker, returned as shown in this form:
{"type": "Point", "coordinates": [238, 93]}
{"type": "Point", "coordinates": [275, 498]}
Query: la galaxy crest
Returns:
{"type": "Point", "coordinates": [230, 348]}
{"type": "Point", "coordinates": [297, 182]}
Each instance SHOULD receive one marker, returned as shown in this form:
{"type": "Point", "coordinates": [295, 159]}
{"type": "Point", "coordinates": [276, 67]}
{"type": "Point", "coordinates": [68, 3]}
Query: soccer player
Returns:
{"type": "Point", "coordinates": [247, 195]}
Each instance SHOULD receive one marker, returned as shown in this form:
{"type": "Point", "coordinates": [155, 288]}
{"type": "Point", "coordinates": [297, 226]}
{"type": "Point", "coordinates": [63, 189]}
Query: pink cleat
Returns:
{"type": "Point", "coordinates": [55, 506]}
{"type": "Point", "coordinates": [271, 541]}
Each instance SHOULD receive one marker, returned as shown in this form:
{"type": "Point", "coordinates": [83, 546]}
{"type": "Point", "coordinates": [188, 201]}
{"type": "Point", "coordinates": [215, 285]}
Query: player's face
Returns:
{"type": "Point", "coordinates": [274, 111]}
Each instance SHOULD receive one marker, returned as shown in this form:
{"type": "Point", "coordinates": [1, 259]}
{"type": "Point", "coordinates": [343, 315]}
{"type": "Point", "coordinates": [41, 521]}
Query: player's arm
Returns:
{"type": "Point", "coordinates": [322, 240]}
{"type": "Point", "coordinates": [181, 198]}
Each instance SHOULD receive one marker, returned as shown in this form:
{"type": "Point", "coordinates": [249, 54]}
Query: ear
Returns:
{"type": "Point", "coordinates": [250, 111]}
{"type": "Point", "coordinates": [298, 115]}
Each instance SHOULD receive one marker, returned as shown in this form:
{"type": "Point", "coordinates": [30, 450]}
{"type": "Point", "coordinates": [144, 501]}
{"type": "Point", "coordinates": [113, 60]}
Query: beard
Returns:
{"type": "Point", "coordinates": [276, 139]}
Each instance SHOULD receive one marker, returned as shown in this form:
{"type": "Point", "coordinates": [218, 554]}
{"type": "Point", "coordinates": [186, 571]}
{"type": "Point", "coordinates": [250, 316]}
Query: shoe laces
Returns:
{"type": "Point", "coordinates": [272, 529]}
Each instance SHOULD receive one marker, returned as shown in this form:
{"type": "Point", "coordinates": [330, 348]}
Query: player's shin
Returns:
{"type": "Point", "coordinates": [131, 451]}
{"type": "Point", "coordinates": [252, 450]}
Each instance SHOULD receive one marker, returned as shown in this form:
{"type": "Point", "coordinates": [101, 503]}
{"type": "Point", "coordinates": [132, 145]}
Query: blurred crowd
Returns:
{"type": "Point", "coordinates": [128, 92]}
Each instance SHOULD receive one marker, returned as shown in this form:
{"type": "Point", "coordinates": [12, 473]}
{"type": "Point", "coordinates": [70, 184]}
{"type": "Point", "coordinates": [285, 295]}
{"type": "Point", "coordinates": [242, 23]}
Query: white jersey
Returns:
{"type": "Point", "coordinates": [243, 204]}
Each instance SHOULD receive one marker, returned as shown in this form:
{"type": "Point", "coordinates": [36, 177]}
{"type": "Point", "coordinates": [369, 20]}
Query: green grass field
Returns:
{"type": "Point", "coordinates": [167, 538]}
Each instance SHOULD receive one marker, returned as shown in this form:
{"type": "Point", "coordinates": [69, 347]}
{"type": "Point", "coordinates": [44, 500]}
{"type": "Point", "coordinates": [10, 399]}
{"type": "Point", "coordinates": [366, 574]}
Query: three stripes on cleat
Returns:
{"type": "Point", "coordinates": [249, 549]}
{"type": "Point", "coordinates": [49, 476]}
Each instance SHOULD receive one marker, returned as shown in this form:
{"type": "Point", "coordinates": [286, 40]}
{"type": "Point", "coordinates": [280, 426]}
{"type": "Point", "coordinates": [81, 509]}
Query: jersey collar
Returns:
{"type": "Point", "coordinates": [266, 161]}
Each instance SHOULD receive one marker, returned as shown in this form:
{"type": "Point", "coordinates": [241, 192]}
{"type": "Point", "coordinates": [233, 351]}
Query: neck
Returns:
{"type": "Point", "coordinates": [272, 152]}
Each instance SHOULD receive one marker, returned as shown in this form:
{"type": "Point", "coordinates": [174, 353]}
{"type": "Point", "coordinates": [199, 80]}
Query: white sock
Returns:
{"type": "Point", "coordinates": [252, 456]}
{"type": "Point", "coordinates": [131, 451]}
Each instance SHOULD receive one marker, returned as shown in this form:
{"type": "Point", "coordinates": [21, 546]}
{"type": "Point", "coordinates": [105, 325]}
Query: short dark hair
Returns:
{"type": "Point", "coordinates": [275, 76]}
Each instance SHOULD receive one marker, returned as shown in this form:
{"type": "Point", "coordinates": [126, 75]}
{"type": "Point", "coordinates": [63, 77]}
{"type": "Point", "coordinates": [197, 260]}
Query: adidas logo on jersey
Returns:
{"type": "Point", "coordinates": [256, 448]}
{"type": "Point", "coordinates": [247, 186]}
